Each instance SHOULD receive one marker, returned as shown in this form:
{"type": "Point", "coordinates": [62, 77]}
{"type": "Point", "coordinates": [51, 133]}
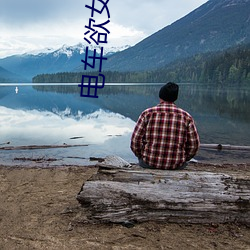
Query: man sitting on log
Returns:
{"type": "Point", "coordinates": [165, 136]}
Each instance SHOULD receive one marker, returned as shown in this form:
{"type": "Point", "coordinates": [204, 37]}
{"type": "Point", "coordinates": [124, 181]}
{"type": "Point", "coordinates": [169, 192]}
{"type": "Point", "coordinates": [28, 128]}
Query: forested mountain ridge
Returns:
{"type": "Point", "coordinates": [216, 25]}
{"type": "Point", "coordinates": [231, 66]}
{"type": "Point", "coordinates": [4, 75]}
{"type": "Point", "coordinates": [8, 77]}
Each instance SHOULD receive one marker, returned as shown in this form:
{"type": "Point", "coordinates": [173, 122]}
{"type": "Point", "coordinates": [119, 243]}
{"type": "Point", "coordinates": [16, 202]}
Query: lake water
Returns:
{"type": "Point", "coordinates": [56, 115]}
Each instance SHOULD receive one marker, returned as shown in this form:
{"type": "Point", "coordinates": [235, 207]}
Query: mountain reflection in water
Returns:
{"type": "Point", "coordinates": [52, 114]}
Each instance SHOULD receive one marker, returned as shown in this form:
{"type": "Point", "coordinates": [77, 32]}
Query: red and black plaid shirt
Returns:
{"type": "Point", "coordinates": [165, 136]}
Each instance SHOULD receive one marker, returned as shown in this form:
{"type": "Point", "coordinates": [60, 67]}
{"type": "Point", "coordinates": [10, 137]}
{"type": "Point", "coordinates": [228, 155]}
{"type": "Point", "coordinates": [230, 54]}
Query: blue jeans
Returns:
{"type": "Point", "coordinates": [145, 165]}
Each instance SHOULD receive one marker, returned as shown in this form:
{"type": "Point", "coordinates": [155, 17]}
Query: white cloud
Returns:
{"type": "Point", "coordinates": [27, 25]}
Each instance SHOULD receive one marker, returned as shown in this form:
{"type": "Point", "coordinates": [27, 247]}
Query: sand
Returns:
{"type": "Point", "coordinates": [39, 210]}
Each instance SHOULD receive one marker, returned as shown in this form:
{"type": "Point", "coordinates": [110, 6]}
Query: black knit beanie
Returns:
{"type": "Point", "coordinates": [169, 92]}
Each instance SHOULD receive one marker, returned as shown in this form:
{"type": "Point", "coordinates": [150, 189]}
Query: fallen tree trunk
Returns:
{"type": "Point", "coordinates": [120, 195]}
{"type": "Point", "coordinates": [224, 147]}
{"type": "Point", "coordinates": [29, 147]}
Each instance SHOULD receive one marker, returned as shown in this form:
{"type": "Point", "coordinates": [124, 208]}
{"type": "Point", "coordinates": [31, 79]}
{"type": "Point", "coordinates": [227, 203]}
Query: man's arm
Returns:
{"type": "Point", "coordinates": [138, 136]}
{"type": "Point", "coordinates": [193, 141]}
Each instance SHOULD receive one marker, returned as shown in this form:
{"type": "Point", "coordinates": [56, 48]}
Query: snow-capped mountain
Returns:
{"type": "Point", "coordinates": [70, 50]}
{"type": "Point", "coordinates": [80, 48]}
{"type": "Point", "coordinates": [64, 59]}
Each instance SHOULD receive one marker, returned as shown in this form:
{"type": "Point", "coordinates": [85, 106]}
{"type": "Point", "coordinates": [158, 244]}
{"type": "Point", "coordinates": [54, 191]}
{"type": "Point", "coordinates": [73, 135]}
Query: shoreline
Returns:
{"type": "Point", "coordinates": [39, 210]}
{"type": "Point", "coordinates": [194, 166]}
{"type": "Point", "coordinates": [57, 156]}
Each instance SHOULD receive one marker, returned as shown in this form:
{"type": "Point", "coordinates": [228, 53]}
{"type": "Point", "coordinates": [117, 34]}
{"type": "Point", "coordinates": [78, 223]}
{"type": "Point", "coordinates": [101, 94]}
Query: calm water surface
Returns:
{"type": "Point", "coordinates": [57, 115]}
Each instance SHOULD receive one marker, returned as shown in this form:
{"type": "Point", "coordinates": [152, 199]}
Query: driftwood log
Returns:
{"type": "Point", "coordinates": [30, 147]}
{"type": "Point", "coordinates": [120, 195]}
{"type": "Point", "coordinates": [224, 147]}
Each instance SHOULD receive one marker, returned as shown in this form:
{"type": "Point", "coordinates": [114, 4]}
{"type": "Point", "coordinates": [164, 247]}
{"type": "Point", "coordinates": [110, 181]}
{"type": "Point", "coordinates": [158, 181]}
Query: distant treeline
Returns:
{"type": "Point", "coordinates": [231, 66]}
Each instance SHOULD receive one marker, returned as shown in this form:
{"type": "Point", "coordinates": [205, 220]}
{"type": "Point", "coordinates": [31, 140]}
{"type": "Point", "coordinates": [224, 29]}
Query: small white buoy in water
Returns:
{"type": "Point", "coordinates": [16, 90]}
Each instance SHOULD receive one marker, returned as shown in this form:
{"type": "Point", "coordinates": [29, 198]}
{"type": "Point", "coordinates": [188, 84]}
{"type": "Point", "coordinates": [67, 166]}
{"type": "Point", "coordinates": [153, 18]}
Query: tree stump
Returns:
{"type": "Point", "coordinates": [117, 195]}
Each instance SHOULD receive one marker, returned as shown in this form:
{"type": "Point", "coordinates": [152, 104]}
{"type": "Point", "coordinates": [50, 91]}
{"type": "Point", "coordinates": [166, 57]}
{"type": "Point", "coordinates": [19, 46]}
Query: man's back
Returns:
{"type": "Point", "coordinates": [165, 136]}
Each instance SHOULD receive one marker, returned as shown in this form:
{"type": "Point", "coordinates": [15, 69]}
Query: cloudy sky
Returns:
{"type": "Point", "coordinates": [30, 25]}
